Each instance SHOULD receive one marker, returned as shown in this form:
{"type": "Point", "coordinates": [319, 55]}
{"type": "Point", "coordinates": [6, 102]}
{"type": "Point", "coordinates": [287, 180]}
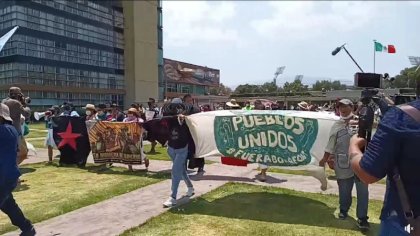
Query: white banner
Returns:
{"type": "Point", "coordinates": [284, 139]}
{"type": "Point", "coordinates": [6, 37]}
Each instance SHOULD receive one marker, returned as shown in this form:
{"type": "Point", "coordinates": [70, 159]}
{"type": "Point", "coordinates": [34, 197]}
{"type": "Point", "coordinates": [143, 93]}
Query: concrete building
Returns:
{"type": "Point", "coordinates": [184, 78]}
{"type": "Point", "coordinates": [82, 51]}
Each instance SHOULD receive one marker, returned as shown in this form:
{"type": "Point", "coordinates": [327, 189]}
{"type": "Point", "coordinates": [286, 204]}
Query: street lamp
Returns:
{"type": "Point", "coordinates": [279, 71]}
{"type": "Point", "coordinates": [415, 61]}
{"type": "Point", "coordinates": [338, 49]}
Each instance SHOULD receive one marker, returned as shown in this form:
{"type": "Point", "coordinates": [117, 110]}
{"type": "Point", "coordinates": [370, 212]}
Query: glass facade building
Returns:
{"type": "Point", "coordinates": [64, 51]}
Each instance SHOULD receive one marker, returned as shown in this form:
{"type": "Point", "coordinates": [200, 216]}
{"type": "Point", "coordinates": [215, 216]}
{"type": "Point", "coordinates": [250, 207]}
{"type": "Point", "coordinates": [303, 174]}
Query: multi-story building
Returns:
{"type": "Point", "coordinates": [183, 78]}
{"type": "Point", "coordinates": [81, 51]}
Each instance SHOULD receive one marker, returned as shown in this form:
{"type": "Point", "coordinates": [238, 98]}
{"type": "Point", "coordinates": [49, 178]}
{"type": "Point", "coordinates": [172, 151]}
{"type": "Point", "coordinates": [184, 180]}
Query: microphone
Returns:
{"type": "Point", "coordinates": [337, 50]}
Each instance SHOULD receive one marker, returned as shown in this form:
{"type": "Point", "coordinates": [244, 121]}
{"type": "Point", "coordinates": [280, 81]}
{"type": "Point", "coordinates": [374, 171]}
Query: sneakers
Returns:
{"type": "Point", "coordinates": [170, 202]}
{"type": "Point", "coordinates": [262, 177]}
{"type": "Point", "coordinates": [363, 224]}
{"type": "Point", "coordinates": [146, 163]}
{"type": "Point", "coordinates": [31, 232]}
{"type": "Point", "coordinates": [342, 215]}
{"type": "Point", "coordinates": [190, 192]}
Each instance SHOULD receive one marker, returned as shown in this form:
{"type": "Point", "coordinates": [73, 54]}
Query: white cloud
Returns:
{"type": "Point", "coordinates": [187, 22]}
{"type": "Point", "coordinates": [304, 20]}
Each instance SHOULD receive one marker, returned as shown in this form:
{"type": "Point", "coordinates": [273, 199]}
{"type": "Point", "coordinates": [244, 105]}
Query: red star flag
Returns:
{"type": "Point", "coordinates": [70, 135]}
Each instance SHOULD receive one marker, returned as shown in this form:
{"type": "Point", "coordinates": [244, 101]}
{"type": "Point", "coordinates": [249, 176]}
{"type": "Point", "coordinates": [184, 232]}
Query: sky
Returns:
{"type": "Point", "coordinates": [248, 40]}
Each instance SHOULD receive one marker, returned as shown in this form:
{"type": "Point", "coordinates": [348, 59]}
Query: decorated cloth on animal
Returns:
{"type": "Point", "coordinates": [277, 138]}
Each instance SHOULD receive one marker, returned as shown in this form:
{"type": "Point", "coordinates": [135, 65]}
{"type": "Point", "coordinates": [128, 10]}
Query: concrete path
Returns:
{"type": "Point", "coordinates": [114, 216]}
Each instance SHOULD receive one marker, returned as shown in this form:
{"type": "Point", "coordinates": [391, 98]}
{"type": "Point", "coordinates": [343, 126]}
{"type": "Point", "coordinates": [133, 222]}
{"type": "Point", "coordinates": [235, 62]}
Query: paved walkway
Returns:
{"type": "Point", "coordinates": [114, 216]}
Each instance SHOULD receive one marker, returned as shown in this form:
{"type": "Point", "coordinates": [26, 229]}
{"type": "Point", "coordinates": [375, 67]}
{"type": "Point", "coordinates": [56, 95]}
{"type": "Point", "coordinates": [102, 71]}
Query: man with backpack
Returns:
{"type": "Point", "coordinates": [393, 152]}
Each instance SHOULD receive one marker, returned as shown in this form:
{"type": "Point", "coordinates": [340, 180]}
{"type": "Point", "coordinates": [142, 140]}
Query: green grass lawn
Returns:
{"type": "Point", "coordinates": [243, 209]}
{"type": "Point", "coordinates": [50, 190]}
{"type": "Point", "coordinates": [330, 173]}
{"type": "Point", "coordinates": [38, 126]}
{"type": "Point", "coordinates": [39, 143]}
{"type": "Point", "coordinates": [36, 134]}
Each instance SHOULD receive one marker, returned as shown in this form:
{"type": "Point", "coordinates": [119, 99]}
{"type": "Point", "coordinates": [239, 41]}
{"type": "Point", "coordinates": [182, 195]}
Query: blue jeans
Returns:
{"type": "Point", "coordinates": [345, 186]}
{"type": "Point", "coordinates": [11, 209]}
{"type": "Point", "coordinates": [179, 158]}
{"type": "Point", "coordinates": [391, 227]}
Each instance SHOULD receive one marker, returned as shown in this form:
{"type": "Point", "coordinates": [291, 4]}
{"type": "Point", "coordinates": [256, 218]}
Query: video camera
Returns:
{"type": "Point", "coordinates": [22, 99]}
{"type": "Point", "coordinates": [371, 83]}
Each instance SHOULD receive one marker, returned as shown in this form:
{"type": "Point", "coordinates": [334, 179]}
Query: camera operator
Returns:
{"type": "Point", "coordinates": [393, 152]}
{"type": "Point", "coordinates": [17, 104]}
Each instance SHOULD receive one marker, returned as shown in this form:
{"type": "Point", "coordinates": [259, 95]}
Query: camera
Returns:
{"type": "Point", "coordinates": [22, 99]}
{"type": "Point", "coordinates": [368, 80]}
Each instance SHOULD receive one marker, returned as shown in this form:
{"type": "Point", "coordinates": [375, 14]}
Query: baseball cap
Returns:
{"type": "Point", "coordinates": [176, 100]}
{"type": "Point", "coordinates": [5, 113]}
{"type": "Point", "coordinates": [345, 101]}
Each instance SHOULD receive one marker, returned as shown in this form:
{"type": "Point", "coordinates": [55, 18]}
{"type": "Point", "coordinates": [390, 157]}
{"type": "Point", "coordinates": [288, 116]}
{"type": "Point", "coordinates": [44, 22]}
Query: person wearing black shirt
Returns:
{"type": "Point", "coordinates": [179, 138]}
{"type": "Point", "coordinates": [193, 162]}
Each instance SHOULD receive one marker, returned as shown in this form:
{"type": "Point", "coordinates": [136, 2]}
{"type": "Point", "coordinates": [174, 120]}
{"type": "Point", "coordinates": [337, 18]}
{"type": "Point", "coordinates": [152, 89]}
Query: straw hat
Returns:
{"type": "Point", "coordinates": [232, 103]}
{"type": "Point", "coordinates": [304, 105]}
{"type": "Point", "coordinates": [89, 107]}
{"type": "Point", "coordinates": [133, 111]}
{"type": "Point", "coordinates": [5, 113]}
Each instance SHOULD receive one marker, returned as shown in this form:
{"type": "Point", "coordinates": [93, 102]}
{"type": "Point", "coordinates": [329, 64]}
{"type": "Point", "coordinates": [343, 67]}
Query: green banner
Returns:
{"type": "Point", "coordinates": [269, 139]}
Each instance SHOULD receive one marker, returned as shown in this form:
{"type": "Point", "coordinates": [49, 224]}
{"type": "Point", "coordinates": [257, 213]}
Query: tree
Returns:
{"type": "Point", "coordinates": [295, 86]}
{"type": "Point", "coordinates": [328, 85]}
{"type": "Point", "coordinates": [269, 87]}
{"type": "Point", "coordinates": [406, 78]}
{"type": "Point", "coordinates": [248, 88]}
{"type": "Point", "coordinates": [221, 90]}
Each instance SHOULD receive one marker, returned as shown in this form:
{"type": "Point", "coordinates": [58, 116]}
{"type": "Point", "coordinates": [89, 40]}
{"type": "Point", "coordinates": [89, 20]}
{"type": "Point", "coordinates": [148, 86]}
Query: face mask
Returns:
{"type": "Point", "coordinates": [88, 113]}
{"type": "Point", "coordinates": [346, 117]}
{"type": "Point", "coordinates": [130, 115]}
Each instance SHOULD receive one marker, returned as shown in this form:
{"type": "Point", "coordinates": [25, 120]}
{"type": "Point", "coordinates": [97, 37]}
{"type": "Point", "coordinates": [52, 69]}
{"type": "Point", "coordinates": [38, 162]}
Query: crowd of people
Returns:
{"type": "Point", "coordinates": [391, 152]}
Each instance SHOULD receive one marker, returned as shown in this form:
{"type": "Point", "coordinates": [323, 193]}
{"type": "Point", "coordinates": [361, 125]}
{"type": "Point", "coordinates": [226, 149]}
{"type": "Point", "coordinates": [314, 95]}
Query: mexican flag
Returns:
{"type": "Point", "coordinates": [381, 48]}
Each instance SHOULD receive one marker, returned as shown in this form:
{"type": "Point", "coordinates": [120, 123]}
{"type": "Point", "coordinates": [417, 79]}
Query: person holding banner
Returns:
{"type": "Point", "coordinates": [262, 176]}
{"type": "Point", "coordinates": [90, 112]}
{"type": "Point", "coordinates": [193, 162]}
{"type": "Point", "coordinates": [49, 140]}
{"type": "Point", "coordinates": [134, 116]}
{"type": "Point", "coordinates": [115, 114]}
{"type": "Point", "coordinates": [152, 110]}
{"type": "Point", "coordinates": [337, 150]}
{"type": "Point", "coordinates": [9, 173]}
{"type": "Point", "coordinates": [178, 141]}
{"type": "Point", "coordinates": [101, 112]}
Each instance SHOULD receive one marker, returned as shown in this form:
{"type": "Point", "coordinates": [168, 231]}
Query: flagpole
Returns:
{"type": "Point", "coordinates": [374, 56]}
